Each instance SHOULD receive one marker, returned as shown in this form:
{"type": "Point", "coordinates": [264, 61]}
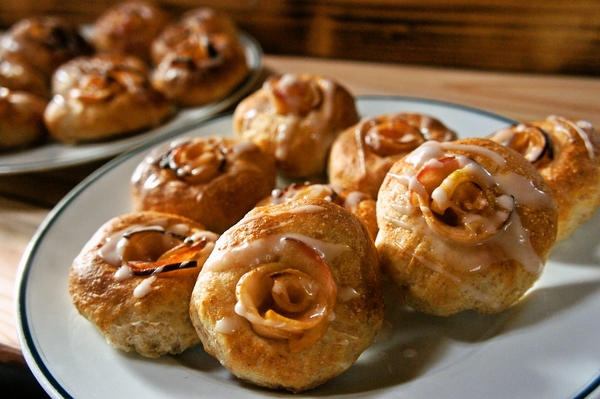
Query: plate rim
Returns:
{"type": "Point", "coordinates": [26, 339]}
{"type": "Point", "coordinates": [256, 59]}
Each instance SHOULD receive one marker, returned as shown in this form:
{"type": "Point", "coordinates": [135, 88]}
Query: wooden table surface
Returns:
{"type": "Point", "coordinates": [26, 199]}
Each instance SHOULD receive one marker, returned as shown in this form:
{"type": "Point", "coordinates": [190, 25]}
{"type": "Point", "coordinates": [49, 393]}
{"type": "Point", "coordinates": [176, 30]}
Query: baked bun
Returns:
{"type": "Point", "coordinates": [15, 74]}
{"type": "Point", "coordinates": [102, 97]}
{"type": "Point", "coordinates": [129, 28]}
{"type": "Point", "coordinates": [359, 203]}
{"type": "Point", "coordinates": [204, 68]}
{"type": "Point", "coordinates": [296, 117]}
{"type": "Point", "coordinates": [464, 225]}
{"type": "Point", "coordinates": [197, 22]}
{"type": "Point", "coordinates": [566, 152]}
{"type": "Point", "coordinates": [21, 119]}
{"type": "Point", "coordinates": [362, 155]}
{"type": "Point", "coordinates": [134, 277]}
{"type": "Point", "coordinates": [291, 295]}
{"type": "Point", "coordinates": [44, 42]}
{"type": "Point", "coordinates": [213, 180]}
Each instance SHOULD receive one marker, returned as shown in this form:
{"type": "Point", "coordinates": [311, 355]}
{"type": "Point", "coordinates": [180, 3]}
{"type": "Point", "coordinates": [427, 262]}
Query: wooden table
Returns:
{"type": "Point", "coordinates": [26, 199]}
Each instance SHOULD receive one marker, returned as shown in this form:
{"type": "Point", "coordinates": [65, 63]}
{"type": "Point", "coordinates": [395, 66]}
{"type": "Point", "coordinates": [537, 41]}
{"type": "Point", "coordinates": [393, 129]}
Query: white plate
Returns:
{"type": "Point", "coordinates": [545, 347]}
{"type": "Point", "coordinates": [54, 155]}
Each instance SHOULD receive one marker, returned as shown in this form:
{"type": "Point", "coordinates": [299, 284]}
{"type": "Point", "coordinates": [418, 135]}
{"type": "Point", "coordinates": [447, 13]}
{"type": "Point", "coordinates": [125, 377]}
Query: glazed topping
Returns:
{"type": "Point", "coordinates": [291, 297]}
{"type": "Point", "coordinates": [196, 161]}
{"type": "Point", "coordinates": [466, 206]}
{"type": "Point", "coordinates": [196, 51]}
{"type": "Point", "coordinates": [460, 200]}
{"type": "Point", "coordinates": [291, 94]}
{"type": "Point", "coordinates": [157, 247]}
{"type": "Point", "coordinates": [530, 141]}
{"type": "Point", "coordinates": [297, 191]}
{"type": "Point", "coordinates": [101, 82]}
{"type": "Point", "coordinates": [583, 129]}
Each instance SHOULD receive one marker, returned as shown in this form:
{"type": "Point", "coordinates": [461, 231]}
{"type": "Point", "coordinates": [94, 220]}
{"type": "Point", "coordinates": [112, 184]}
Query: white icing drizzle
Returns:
{"type": "Point", "coordinates": [580, 127]}
{"type": "Point", "coordinates": [512, 241]}
{"type": "Point", "coordinates": [144, 288]}
{"type": "Point", "coordinates": [266, 250]}
{"type": "Point", "coordinates": [346, 294]}
{"type": "Point", "coordinates": [229, 325]}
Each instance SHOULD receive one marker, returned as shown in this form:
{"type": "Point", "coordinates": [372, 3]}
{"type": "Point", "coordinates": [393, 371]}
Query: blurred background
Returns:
{"type": "Point", "coordinates": [542, 36]}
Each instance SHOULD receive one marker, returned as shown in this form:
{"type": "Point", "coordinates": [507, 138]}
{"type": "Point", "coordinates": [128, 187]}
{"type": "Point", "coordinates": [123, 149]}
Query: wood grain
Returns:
{"type": "Point", "coordinates": [545, 36]}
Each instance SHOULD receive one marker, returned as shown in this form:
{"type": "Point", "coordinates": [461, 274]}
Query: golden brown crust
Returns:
{"type": "Point", "coordinates": [44, 42]}
{"type": "Point", "coordinates": [487, 260]}
{"type": "Point", "coordinates": [153, 323]}
{"type": "Point", "coordinates": [197, 22]}
{"type": "Point", "coordinates": [129, 28]}
{"type": "Point", "coordinates": [235, 176]}
{"type": "Point", "coordinates": [358, 309]}
{"type": "Point", "coordinates": [296, 117]}
{"type": "Point", "coordinates": [15, 74]}
{"type": "Point", "coordinates": [202, 69]}
{"type": "Point", "coordinates": [21, 119]}
{"type": "Point", "coordinates": [362, 154]}
{"type": "Point", "coordinates": [570, 165]}
{"type": "Point", "coordinates": [359, 203]}
{"type": "Point", "coordinates": [101, 97]}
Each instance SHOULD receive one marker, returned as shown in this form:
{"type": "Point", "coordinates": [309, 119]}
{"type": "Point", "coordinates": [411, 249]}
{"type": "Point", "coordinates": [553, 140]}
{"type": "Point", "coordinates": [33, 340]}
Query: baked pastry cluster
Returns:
{"type": "Point", "coordinates": [285, 287]}
{"type": "Point", "coordinates": [129, 72]}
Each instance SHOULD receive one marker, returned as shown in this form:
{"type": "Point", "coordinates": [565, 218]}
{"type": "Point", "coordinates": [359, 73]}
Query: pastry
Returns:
{"type": "Point", "coordinates": [102, 97]}
{"type": "Point", "coordinates": [291, 295]}
{"type": "Point", "coordinates": [204, 68]}
{"type": "Point", "coordinates": [296, 117]}
{"type": "Point", "coordinates": [129, 28]}
{"type": "Point", "coordinates": [15, 74]}
{"type": "Point", "coordinates": [44, 42]}
{"type": "Point", "coordinates": [134, 277]}
{"type": "Point", "coordinates": [197, 22]}
{"type": "Point", "coordinates": [361, 155]}
{"type": "Point", "coordinates": [213, 180]}
{"type": "Point", "coordinates": [357, 202]}
{"type": "Point", "coordinates": [566, 152]}
{"type": "Point", "coordinates": [21, 119]}
{"type": "Point", "coordinates": [464, 225]}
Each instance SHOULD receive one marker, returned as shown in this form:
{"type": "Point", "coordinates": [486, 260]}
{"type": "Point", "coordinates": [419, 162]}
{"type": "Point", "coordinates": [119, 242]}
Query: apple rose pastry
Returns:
{"type": "Point", "coordinates": [194, 23]}
{"type": "Point", "coordinates": [291, 295]}
{"type": "Point", "coordinates": [362, 155]}
{"type": "Point", "coordinates": [213, 180]}
{"type": "Point", "coordinates": [44, 42]}
{"type": "Point", "coordinates": [129, 28]}
{"type": "Point", "coordinates": [133, 280]}
{"type": "Point", "coordinates": [359, 203]}
{"type": "Point", "coordinates": [566, 152]}
{"type": "Point", "coordinates": [21, 119]}
{"type": "Point", "coordinates": [101, 97]}
{"type": "Point", "coordinates": [203, 69]}
{"type": "Point", "coordinates": [296, 117]}
{"type": "Point", "coordinates": [464, 225]}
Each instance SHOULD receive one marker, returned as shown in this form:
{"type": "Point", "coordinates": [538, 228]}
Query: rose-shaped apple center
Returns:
{"type": "Point", "coordinates": [147, 245]}
{"type": "Point", "coordinates": [291, 298]}
{"type": "Point", "coordinates": [530, 141]}
{"type": "Point", "coordinates": [462, 201]}
{"type": "Point", "coordinates": [196, 162]}
{"type": "Point", "coordinates": [392, 137]}
{"type": "Point", "coordinates": [293, 95]}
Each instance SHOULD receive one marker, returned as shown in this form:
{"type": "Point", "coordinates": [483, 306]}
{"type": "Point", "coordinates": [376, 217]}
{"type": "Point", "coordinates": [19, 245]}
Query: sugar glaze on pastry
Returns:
{"type": "Point", "coordinates": [134, 277]}
{"type": "Point", "coordinates": [296, 117]}
{"type": "Point", "coordinates": [362, 154]}
{"type": "Point", "coordinates": [291, 295]}
{"type": "Point", "coordinates": [566, 152]}
{"type": "Point", "coordinates": [464, 225]}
